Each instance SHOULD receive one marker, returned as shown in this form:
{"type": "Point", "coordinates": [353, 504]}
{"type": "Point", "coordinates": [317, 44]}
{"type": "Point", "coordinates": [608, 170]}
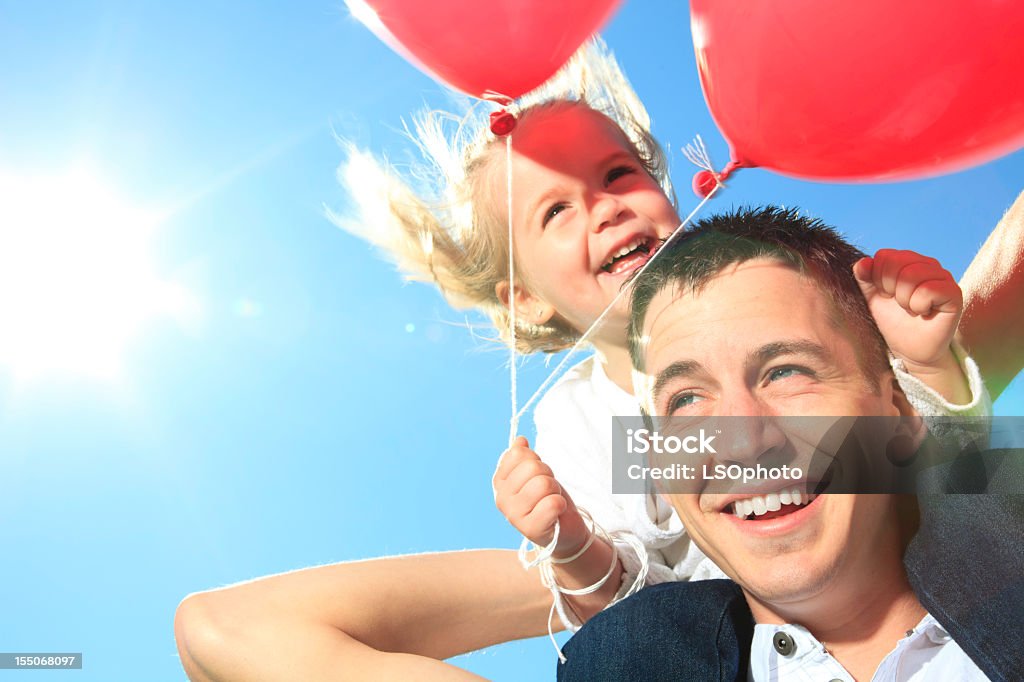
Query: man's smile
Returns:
{"type": "Point", "coordinates": [769, 505]}
{"type": "Point", "coordinates": [786, 519]}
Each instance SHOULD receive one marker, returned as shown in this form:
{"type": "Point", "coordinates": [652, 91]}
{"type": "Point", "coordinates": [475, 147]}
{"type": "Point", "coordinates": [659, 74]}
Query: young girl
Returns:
{"type": "Point", "coordinates": [590, 204]}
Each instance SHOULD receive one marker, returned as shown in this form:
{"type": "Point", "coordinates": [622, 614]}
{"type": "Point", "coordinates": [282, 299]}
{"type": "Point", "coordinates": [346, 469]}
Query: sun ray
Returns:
{"type": "Point", "coordinates": [225, 178]}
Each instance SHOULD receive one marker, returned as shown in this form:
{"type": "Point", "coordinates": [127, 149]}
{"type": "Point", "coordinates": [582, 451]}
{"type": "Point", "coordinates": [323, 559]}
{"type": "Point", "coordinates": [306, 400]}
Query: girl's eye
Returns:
{"type": "Point", "coordinates": [682, 401]}
{"type": "Point", "coordinates": [788, 371]}
{"type": "Point", "coordinates": [617, 172]}
{"type": "Point", "coordinates": [552, 212]}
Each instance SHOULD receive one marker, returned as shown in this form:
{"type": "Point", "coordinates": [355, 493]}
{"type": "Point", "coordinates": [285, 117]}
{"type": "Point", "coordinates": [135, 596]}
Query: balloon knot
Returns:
{"type": "Point", "coordinates": [502, 122]}
{"type": "Point", "coordinates": [703, 183]}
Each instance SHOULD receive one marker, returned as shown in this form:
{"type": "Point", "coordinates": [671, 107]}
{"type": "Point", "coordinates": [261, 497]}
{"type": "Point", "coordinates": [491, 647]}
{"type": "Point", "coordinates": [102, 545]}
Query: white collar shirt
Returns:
{"type": "Point", "coordinates": [789, 653]}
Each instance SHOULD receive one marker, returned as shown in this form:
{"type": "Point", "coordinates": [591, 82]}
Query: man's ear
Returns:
{"type": "Point", "coordinates": [528, 307]}
{"type": "Point", "coordinates": [899, 398]}
{"type": "Point", "coordinates": [912, 430]}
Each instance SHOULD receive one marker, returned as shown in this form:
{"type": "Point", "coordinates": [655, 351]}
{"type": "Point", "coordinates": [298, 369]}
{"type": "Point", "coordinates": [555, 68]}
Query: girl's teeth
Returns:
{"type": "Point", "coordinates": [762, 504]}
{"type": "Point", "coordinates": [628, 248]}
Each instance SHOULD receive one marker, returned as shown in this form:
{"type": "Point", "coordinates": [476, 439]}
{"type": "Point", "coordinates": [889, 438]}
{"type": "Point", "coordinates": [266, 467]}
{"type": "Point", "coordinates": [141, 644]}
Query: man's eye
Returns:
{"type": "Point", "coordinates": [617, 172]}
{"type": "Point", "coordinates": [683, 400]}
{"type": "Point", "coordinates": [552, 212]}
{"type": "Point", "coordinates": [788, 371]}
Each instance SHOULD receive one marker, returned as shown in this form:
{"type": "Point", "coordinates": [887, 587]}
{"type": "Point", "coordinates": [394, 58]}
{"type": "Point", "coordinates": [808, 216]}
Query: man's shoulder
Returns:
{"type": "Point", "coordinates": [672, 600]}
{"type": "Point", "coordinates": [699, 630]}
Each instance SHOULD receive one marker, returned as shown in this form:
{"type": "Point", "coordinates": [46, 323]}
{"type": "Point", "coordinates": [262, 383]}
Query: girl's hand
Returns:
{"type": "Point", "coordinates": [915, 302]}
{"type": "Point", "coordinates": [527, 494]}
{"type": "Point", "coordinates": [917, 305]}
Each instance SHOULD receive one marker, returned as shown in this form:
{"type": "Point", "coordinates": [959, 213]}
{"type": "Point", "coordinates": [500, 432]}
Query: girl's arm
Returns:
{"type": "Point", "coordinates": [992, 327]}
{"type": "Point", "coordinates": [527, 494]}
{"type": "Point", "coordinates": [382, 619]}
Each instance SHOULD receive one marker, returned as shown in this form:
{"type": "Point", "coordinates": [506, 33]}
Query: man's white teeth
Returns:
{"type": "Point", "coordinates": [628, 248]}
{"type": "Point", "coordinates": [759, 505]}
{"type": "Point", "coordinates": [742, 508]}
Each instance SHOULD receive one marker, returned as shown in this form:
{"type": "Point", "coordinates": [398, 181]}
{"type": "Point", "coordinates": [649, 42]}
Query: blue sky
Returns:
{"type": "Point", "coordinates": [265, 393]}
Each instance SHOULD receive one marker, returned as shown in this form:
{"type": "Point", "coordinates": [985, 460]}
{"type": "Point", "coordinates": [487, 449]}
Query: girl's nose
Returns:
{"type": "Point", "coordinates": [608, 210]}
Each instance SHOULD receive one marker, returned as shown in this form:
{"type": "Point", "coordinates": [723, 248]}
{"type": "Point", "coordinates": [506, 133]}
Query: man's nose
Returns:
{"type": "Point", "coordinates": [747, 431]}
{"type": "Point", "coordinates": [607, 210]}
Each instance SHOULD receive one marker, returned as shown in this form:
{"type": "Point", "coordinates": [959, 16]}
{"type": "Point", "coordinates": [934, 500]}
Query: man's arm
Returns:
{"type": "Point", "coordinates": [374, 620]}
{"type": "Point", "coordinates": [992, 327]}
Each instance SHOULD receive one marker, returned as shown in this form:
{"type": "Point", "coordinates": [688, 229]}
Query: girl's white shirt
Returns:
{"type": "Point", "coordinates": [574, 422]}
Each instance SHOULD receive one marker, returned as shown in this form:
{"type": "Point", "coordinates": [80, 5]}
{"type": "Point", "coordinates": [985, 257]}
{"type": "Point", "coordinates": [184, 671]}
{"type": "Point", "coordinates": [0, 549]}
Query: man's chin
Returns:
{"type": "Point", "coordinates": [779, 567]}
{"type": "Point", "coordinates": [785, 584]}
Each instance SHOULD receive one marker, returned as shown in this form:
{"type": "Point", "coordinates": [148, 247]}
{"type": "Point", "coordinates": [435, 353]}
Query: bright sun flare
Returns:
{"type": "Point", "coordinates": [76, 278]}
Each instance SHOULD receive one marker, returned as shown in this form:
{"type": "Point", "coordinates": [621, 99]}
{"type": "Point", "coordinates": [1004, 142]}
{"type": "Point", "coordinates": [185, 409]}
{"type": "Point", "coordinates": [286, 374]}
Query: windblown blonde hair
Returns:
{"type": "Point", "coordinates": [451, 231]}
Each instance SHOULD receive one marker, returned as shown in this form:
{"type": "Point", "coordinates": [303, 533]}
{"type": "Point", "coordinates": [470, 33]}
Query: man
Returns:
{"type": "Point", "coordinates": [759, 314]}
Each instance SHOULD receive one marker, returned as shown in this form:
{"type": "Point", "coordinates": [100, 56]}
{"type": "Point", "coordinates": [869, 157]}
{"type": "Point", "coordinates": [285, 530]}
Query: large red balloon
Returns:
{"type": "Point", "coordinates": [865, 90]}
{"type": "Point", "coordinates": [507, 47]}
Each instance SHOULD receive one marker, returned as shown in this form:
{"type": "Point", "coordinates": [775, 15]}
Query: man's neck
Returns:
{"type": "Point", "coordinates": [858, 627]}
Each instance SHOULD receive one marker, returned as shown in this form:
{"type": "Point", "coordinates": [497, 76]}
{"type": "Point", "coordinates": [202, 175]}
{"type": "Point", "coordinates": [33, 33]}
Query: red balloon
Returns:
{"type": "Point", "coordinates": [865, 90]}
{"type": "Point", "coordinates": [506, 47]}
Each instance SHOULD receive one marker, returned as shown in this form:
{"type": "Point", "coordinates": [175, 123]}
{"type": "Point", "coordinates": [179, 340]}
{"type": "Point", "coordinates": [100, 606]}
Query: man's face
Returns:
{"type": "Point", "coordinates": [759, 340]}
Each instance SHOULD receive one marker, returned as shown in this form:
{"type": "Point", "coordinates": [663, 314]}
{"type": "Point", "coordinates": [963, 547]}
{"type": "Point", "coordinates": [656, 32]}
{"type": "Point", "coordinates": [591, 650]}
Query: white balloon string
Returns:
{"type": "Point", "coordinates": [561, 365]}
{"type": "Point", "coordinates": [513, 377]}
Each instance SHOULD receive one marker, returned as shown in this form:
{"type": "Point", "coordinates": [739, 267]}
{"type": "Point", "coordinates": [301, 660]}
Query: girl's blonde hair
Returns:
{"type": "Point", "coordinates": [451, 232]}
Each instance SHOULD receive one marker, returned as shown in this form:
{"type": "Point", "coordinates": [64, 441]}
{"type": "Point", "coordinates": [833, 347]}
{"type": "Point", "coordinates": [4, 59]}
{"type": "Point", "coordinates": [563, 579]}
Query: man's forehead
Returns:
{"type": "Point", "coordinates": [742, 297]}
{"type": "Point", "coordinates": [731, 294]}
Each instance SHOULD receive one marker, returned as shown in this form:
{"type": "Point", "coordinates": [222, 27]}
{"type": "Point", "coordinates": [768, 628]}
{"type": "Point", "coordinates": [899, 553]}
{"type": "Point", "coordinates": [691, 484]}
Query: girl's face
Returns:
{"type": "Point", "coordinates": [585, 214]}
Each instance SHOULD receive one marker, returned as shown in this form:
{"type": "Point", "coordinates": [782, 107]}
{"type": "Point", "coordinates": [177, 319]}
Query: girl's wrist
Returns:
{"type": "Point", "coordinates": [945, 376]}
{"type": "Point", "coordinates": [589, 567]}
{"type": "Point", "coordinates": [586, 606]}
{"type": "Point", "coordinates": [568, 556]}
{"type": "Point", "coordinates": [945, 362]}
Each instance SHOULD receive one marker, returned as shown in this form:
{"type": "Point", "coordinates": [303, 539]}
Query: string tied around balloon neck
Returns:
{"type": "Point", "coordinates": [502, 121]}
{"type": "Point", "coordinates": [707, 180]}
